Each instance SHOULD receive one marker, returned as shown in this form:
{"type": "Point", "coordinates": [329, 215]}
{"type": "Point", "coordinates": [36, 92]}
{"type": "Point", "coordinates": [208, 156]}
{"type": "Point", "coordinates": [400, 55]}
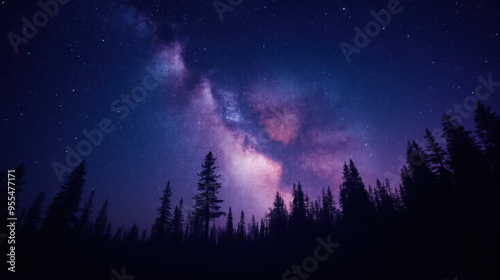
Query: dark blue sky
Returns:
{"type": "Point", "coordinates": [267, 89]}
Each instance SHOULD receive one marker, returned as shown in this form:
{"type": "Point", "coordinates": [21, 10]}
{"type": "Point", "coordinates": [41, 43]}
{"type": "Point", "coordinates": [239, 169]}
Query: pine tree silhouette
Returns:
{"type": "Point", "coordinates": [488, 129]}
{"type": "Point", "coordinates": [470, 177]}
{"type": "Point", "coordinates": [241, 233]}
{"type": "Point", "coordinates": [177, 222]}
{"type": "Point", "coordinates": [118, 235]}
{"type": "Point", "coordinates": [354, 199]}
{"type": "Point", "coordinates": [229, 225]}
{"type": "Point", "coordinates": [61, 213]}
{"type": "Point", "coordinates": [132, 234]}
{"type": "Point", "coordinates": [86, 212]}
{"type": "Point", "coordinates": [328, 210]}
{"type": "Point", "coordinates": [101, 221]}
{"type": "Point", "coordinates": [162, 223]}
{"type": "Point", "coordinates": [254, 230]}
{"type": "Point", "coordinates": [298, 208]}
{"type": "Point", "coordinates": [34, 216]}
{"type": "Point", "coordinates": [207, 206]}
{"type": "Point", "coordinates": [437, 156]}
{"type": "Point", "coordinates": [107, 234]}
{"type": "Point", "coordinates": [278, 217]}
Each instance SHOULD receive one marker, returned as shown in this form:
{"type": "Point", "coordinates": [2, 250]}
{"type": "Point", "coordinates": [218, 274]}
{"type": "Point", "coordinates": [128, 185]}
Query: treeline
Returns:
{"type": "Point", "coordinates": [443, 218]}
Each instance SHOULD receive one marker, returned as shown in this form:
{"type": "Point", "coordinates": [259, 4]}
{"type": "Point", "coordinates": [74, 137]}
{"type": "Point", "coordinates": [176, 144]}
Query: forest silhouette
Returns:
{"type": "Point", "coordinates": [441, 222]}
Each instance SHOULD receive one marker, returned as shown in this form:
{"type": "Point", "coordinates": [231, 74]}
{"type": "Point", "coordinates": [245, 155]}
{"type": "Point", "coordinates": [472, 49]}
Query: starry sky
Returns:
{"type": "Point", "coordinates": [267, 89]}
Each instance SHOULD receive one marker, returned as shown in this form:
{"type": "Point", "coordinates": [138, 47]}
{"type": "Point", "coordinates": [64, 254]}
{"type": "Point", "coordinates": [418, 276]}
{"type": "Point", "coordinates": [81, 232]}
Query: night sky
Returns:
{"type": "Point", "coordinates": [267, 89]}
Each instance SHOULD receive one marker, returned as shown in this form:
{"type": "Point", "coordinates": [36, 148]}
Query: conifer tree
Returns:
{"type": "Point", "coordinates": [213, 234]}
{"type": "Point", "coordinates": [371, 195]}
{"type": "Point", "coordinates": [356, 206]}
{"type": "Point", "coordinates": [101, 221]}
{"type": "Point", "coordinates": [229, 225]}
{"type": "Point", "coordinates": [437, 156]}
{"type": "Point", "coordinates": [162, 223]}
{"type": "Point", "coordinates": [33, 217]}
{"type": "Point", "coordinates": [189, 225]}
{"type": "Point", "coordinates": [108, 231]}
{"type": "Point", "coordinates": [418, 182]}
{"type": "Point", "coordinates": [309, 209]}
{"type": "Point", "coordinates": [384, 200]}
{"type": "Point", "coordinates": [317, 211]}
{"type": "Point", "coordinates": [254, 230]}
{"type": "Point", "coordinates": [86, 212]}
{"type": "Point", "coordinates": [278, 217]}
{"type": "Point", "coordinates": [463, 149]}
{"type": "Point", "coordinates": [241, 227]}
{"type": "Point", "coordinates": [220, 233]}
{"type": "Point", "coordinates": [61, 213]}
{"type": "Point", "coordinates": [488, 129]}
{"type": "Point", "coordinates": [473, 207]}
{"type": "Point", "coordinates": [177, 222]}
{"type": "Point", "coordinates": [132, 234]}
{"type": "Point", "coordinates": [118, 234]}
{"type": "Point", "coordinates": [207, 206]}
{"type": "Point", "coordinates": [262, 231]}
{"type": "Point", "coordinates": [298, 208]}
{"type": "Point", "coordinates": [438, 161]}
{"type": "Point", "coordinates": [329, 209]}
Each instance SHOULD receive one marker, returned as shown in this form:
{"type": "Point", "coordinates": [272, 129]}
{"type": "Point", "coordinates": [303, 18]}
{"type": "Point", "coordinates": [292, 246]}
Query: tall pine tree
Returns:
{"type": "Point", "coordinates": [33, 217]}
{"type": "Point", "coordinates": [61, 214]}
{"type": "Point", "coordinates": [101, 221]}
{"type": "Point", "coordinates": [207, 206]}
{"type": "Point", "coordinates": [162, 223]}
{"type": "Point", "coordinates": [354, 199]}
{"type": "Point", "coordinates": [329, 209]}
{"type": "Point", "coordinates": [298, 208]}
{"type": "Point", "coordinates": [488, 129]}
{"type": "Point", "coordinates": [241, 227]}
{"type": "Point", "coordinates": [229, 225]}
{"type": "Point", "coordinates": [278, 217]}
{"type": "Point", "coordinates": [86, 212]}
{"type": "Point", "coordinates": [177, 222]}
{"type": "Point", "coordinates": [470, 172]}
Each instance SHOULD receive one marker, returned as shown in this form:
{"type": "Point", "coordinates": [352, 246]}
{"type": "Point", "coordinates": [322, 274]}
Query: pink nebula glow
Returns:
{"type": "Point", "coordinates": [250, 178]}
{"type": "Point", "coordinates": [280, 117]}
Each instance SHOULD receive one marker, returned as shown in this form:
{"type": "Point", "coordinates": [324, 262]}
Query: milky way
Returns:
{"type": "Point", "coordinates": [284, 115]}
{"type": "Point", "coordinates": [267, 90]}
